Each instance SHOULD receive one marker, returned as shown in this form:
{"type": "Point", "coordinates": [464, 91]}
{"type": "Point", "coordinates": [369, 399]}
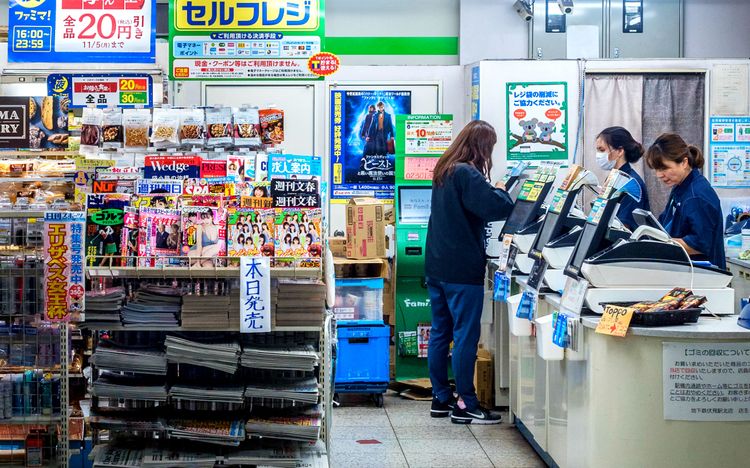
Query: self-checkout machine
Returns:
{"type": "Point", "coordinates": [421, 140]}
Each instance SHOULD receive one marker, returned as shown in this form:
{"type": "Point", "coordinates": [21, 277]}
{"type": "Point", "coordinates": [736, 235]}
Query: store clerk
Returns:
{"type": "Point", "coordinates": [693, 214]}
{"type": "Point", "coordinates": [617, 149]}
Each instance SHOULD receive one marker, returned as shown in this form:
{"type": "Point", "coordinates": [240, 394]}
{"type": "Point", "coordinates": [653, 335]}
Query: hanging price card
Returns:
{"type": "Point", "coordinates": [615, 321]}
{"type": "Point", "coordinates": [574, 295]}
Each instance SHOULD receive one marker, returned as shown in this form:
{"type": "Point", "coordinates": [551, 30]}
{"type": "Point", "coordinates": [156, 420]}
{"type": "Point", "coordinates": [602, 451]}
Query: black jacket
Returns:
{"type": "Point", "coordinates": [461, 207]}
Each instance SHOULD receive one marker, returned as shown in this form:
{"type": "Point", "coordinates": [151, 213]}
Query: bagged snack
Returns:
{"type": "Point", "coordinates": [219, 126]}
{"type": "Point", "coordinates": [246, 127]}
{"type": "Point", "coordinates": [165, 127]}
{"type": "Point", "coordinates": [676, 293]}
{"type": "Point", "coordinates": [692, 302]}
{"type": "Point", "coordinates": [193, 127]}
{"type": "Point", "coordinates": [136, 123]}
{"type": "Point", "coordinates": [272, 126]}
{"type": "Point", "coordinates": [112, 132]}
{"type": "Point", "coordinates": [91, 130]}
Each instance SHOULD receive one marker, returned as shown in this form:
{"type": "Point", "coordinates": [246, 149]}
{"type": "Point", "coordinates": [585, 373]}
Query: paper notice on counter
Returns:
{"type": "Point", "coordinates": [615, 321]}
{"type": "Point", "coordinates": [729, 89]}
{"type": "Point", "coordinates": [706, 381]}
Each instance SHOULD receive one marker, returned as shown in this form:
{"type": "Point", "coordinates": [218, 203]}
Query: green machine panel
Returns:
{"type": "Point", "coordinates": [421, 140]}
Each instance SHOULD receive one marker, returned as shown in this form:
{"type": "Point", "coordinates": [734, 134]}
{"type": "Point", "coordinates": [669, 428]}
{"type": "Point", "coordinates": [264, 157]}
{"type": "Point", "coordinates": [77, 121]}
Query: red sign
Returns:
{"type": "Point", "coordinates": [553, 114]}
{"type": "Point", "coordinates": [323, 64]}
{"type": "Point", "coordinates": [98, 87]}
{"type": "Point", "coordinates": [519, 113]}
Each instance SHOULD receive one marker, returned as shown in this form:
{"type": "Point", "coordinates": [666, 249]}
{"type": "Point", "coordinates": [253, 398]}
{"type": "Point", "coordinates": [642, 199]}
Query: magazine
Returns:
{"type": "Point", "coordinates": [250, 233]}
{"type": "Point", "coordinates": [256, 195]}
{"type": "Point", "coordinates": [129, 236]}
{"type": "Point", "coordinates": [104, 222]}
{"type": "Point", "coordinates": [423, 339]}
{"type": "Point", "coordinates": [298, 237]}
{"type": "Point", "coordinates": [204, 233]}
{"type": "Point", "coordinates": [158, 236]}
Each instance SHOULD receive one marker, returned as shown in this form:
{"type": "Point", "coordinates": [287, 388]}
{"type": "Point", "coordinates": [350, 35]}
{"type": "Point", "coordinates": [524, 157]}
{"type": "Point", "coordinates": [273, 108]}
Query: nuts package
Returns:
{"type": "Point", "coordinates": [246, 127]}
{"type": "Point", "coordinates": [112, 132]}
{"type": "Point", "coordinates": [272, 126]}
{"type": "Point", "coordinates": [193, 127]}
{"type": "Point", "coordinates": [219, 126]}
{"type": "Point", "coordinates": [166, 125]}
{"type": "Point", "coordinates": [136, 124]}
{"type": "Point", "coordinates": [91, 130]}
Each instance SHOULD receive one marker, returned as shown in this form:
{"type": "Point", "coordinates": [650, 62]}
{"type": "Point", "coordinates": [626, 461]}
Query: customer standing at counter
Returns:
{"type": "Point", "coordinates": [693, 214]}
{"type": "Point", "coordinates": [617, 149]}
{"type": "Point", "coordinates": [463, 201]}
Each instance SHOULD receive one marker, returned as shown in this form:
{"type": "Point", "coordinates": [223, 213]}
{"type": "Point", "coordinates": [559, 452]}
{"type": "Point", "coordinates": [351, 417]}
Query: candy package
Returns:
{"type": "Point", "coordinates": [193, 127]}
{"type": "Point", "coordinates": [112, 131]}
{"type": "Point", "coordinates": [91, 130]}
{"type": "Point", "coordinates": [219, 126]}
{"type": "Point", "coordinates": [136, 123]}
{"type": "Point", "coordinates": [246, 127]}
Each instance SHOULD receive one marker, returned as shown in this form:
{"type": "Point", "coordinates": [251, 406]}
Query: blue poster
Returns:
{"type": "Point", "coordinates": [363, 130]}
{"type": "Point", "coordinates": [82, 31]}
{"type": "Point", "coordinates": [475, 93]}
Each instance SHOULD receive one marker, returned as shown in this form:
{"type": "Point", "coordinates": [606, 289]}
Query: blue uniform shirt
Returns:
{"type": "Point", "coordinates": [628, 204]}
{"type": "Point", "coordinates": [693, 214]}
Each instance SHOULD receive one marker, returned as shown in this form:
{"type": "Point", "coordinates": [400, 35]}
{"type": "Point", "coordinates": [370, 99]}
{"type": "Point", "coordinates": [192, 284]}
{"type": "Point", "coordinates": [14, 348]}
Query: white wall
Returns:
{"type": "Point", "coordinates": [717, 28]}
{"type": "Point", "coordinates": [492, 30]}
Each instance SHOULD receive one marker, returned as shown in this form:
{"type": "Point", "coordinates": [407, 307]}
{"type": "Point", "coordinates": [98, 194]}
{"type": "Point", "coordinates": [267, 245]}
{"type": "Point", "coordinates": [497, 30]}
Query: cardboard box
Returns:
{"type": "Point", "coordinates": [365, 229]}
{"type": "Point", "coordinates": [337, 246]}
{"type": "Point", "coordinates": [484, 379]}
{"type": "Point", "coordinates": [368, 268]}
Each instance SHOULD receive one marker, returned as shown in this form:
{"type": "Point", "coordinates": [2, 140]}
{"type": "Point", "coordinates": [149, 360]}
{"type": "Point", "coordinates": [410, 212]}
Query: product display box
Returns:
{"type": "Point", "coordinates": [484, 378]}
{"type": "Point", "coordinates": [365, 229]}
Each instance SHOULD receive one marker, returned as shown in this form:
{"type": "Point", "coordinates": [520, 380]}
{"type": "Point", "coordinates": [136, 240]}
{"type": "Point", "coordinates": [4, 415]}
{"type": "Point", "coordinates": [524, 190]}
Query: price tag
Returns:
{"type": "Point", "coordinates": [536, 275]}
{"type": "Point", "coordinates": [527, 306]}
{"type": "Point", "coordinates": [573, 295]}
{"type": "Point", "coordinates": [505, 251]}
{"type": "Point", "coordinates": [615, 321]}
{"type": "Point", "coordinates": [501, 287]}
{"type": "Point", "coordinates": [560, 331]}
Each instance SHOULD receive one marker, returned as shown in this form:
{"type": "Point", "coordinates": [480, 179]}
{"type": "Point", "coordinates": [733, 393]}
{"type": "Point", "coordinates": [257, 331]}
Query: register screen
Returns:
{"type": "Point", "coordinates": [414, 204]}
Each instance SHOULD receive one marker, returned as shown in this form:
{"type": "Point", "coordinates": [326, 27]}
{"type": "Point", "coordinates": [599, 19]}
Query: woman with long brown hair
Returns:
{"type": "Point", "coordinates": [463, 202]}
{"type": "Point", "coordinates": [693, 214]}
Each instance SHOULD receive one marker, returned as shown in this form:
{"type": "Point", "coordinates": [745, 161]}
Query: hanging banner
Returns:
{"type": "Point", "coordinates": [82, 31]}
{"type": "Point", "coordinates": [33, 123]}
{"type": "Point", "coordinates": [255, 295]}
{"type": "Point", "coordinates": [226, 39]}
{"type": "Point", "coordinates": [729, 152]}
{"type": "Point", "coordinates": [124, 90]}
{"type": "Point", "coordinates": [363, 142]}
{"type": "Point", "coordinates": [475, 106]}
{"type": "Point", "coordinates": [64, 277]}
{"type": "Point", "coordinates": [537, 119]}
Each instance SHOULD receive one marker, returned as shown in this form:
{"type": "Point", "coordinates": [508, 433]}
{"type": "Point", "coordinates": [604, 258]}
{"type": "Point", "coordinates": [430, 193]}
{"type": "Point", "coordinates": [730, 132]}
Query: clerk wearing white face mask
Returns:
{"type": "Point", "coordinates": [616, 149]}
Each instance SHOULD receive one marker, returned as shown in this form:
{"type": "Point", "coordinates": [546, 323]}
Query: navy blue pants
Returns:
{"type": "Point", "coordinates": [456, 316]}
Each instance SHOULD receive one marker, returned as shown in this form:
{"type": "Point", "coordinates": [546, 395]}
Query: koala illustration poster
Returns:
{"type": "Point", "coordinates": [363, 131]}
{"type": "Point", "coordinates": [537, 121]}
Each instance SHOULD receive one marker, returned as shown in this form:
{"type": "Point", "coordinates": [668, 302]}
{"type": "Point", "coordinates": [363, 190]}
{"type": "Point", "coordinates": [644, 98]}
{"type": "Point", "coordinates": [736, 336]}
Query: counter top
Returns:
{"type": "Point", "coordinates": [724, 328]}
{"type": "Point", "coordinates": [739, 263]}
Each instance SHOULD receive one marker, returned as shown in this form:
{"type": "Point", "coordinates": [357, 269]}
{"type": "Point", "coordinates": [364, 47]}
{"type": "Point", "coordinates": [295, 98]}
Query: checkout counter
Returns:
{"type": "Point", "coordinates": [639, 400]}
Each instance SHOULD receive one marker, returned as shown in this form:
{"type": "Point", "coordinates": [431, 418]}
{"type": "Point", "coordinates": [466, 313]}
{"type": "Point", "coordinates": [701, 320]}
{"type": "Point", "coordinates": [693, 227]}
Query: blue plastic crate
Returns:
{"type": "Point", "coordinates": [363, 362]}
{"type": "Point", "coordinates": [359, 299]}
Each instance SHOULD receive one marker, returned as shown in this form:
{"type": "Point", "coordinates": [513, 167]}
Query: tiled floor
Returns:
{"type": "Point", "coordinates": [402, 434]}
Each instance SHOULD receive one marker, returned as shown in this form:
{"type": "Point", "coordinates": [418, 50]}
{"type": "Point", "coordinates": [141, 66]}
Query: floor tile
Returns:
{"type": "Point", "coordinates": [448, 431]}
{"type": "Point", "coordinates": [362, 432]}
{"type": "Point", "coordinates": [511, 453]}
{"type": "Point", "coordinates": [359, 459]}
{"type": "Point", "coordinates": [421, 419]}
{"type": "Point", "coordinates": [422, 459]}
{"type": "Point", "coordinates": [495, 431]}
{"type": "Point", "coordinates": [353, 446]}
{"type": "Point", "coordinates": [349, 419]}
{"type": "Point", "coordinates": [440, 446]}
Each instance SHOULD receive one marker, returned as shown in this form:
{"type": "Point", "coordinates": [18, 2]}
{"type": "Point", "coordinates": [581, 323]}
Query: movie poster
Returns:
{"type": "Point", "coordinates": [363, 134]}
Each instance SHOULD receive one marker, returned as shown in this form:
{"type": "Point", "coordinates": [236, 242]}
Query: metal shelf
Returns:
{"type": "Point", "coordinates": [192, 272]}
{"type": "Point", "coordinates": [120, 327]}
{"type": "Point", "coordinates": [34, 419]}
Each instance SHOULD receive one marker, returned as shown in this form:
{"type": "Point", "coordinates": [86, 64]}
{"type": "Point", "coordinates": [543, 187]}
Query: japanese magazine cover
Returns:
{"type": "Point", "coordinates": [158, 236]}
{"type": "Point", "coordinates": [104, 221]}
{"type": "Point", "coordinates": [298, 237]}
{"type": "Point", "coordinates": [423, 339]}
{"type": "Point", "coordinates": [158, 193]}
{"type": "Point", "coordinates": [256, 195]}
{"type": "Point", "coordinates": [204, 235]}
{"type": "Point", "coordinates": [129, 237]}
{"type": "Point", "coordinates": [250, 233]}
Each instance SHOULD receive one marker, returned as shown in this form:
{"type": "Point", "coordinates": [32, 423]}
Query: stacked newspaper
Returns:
{"type": "Point", "coordinates": [108, 456]}
{"type": "Point", "coordinates": [299, 302]}
{"type": "Point", "coordinates": [212, 432]}
{"type": "Point", "coordinates": [165, 458]}
{"type": "Point", "coordinates": [286, 455]}
{"type": "Point", "coordinates": [299, 357]}
{"type": "Point", "coordinates": [299, 391]}
{"type": "Point", "coordinates": [305, 427]}
{"type": "Point", "coordinates": [153, 306]}
{"type": "Point", "coordinates": [207, 312]}
{"type": "Point", "coordinates": [130, 387]}
{"type": "Point", "coordinates": [125, 359]}
{"type": "Point", "coordinates": [219, 355]}
{"type": "Point", "coordinates": [224, 394]}
{"type": "Point", "coordinates": [103, 306]}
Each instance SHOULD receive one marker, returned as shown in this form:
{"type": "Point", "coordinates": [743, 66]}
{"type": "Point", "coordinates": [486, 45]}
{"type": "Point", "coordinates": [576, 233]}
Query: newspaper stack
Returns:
{"type": "Point", "coordinates": [300, 357]}
{"type": "Point", "coordinates": [207, 312]}
{"type": "Point", "coordinates": [164, 458]}
{"type": "Point", "coordinates": [300, 391]}
{"type": "Point", "coordinates": [284, 456]}
{"type": "Point", "coordinates": [107, 456]}
{"type": "Point", "coordinates": [305, 428]}
{"type": "Point", "coordinates": [140, 360]}
{"type": "Point", "coordinates": [194, 397]}
{"type": "Point", "coordinates": [103, 306]}
{"type": "Point", "coordinates": [219, 355]}
{"type": "Point", "coordinates": [300, 302]}
{"type": "Point", "coordinates": [212, 431]}
{"type": "Point", "coordinates": [122, 420]}
{"type": "Point", "coordinates": [130, 387]}
{"type": "Point", "coordinates": [153, 306]}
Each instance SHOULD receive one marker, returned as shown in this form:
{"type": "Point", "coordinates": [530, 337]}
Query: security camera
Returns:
{"type": "Point", "coordinates": [523, 9]}
{"type": "Point", "coordinates": [566, 6]}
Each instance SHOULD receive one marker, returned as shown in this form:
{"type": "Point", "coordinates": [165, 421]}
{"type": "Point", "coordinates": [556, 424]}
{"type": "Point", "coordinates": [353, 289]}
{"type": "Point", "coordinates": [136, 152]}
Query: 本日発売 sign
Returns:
{"type": "Point", "coordinates": [64, 291]}
{"type": "Point", "coordinates": [82, 31]}
{"type": "Point", "coordinates": [537, 119]}
{"type": "Point", "coordinates": [261, 39]}
{"type": "Point", "coordinates": [103, 91]}
{"type": "Point", "coordinates": [255, 295]}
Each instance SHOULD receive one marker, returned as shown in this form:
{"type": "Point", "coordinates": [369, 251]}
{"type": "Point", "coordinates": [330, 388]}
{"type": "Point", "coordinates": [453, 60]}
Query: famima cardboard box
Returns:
{"type": "Point", "coordinates": [365, 228]}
